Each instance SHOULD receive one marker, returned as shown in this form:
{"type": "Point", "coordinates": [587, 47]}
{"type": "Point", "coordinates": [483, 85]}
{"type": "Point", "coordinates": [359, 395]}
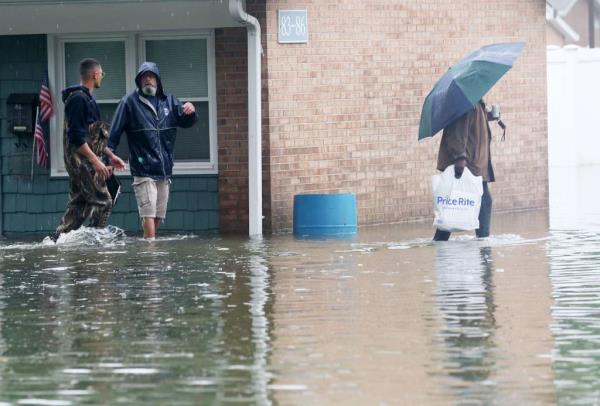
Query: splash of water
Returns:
{"type": "Point", "coordinates": [89, 236]}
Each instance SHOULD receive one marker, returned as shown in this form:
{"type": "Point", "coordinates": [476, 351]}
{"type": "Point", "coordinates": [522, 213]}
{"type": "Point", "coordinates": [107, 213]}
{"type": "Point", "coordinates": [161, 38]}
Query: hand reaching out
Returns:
{"type": "Point", "coordinates": [188, 108]}
{"type": "Point", "coordinates": [118, 163]}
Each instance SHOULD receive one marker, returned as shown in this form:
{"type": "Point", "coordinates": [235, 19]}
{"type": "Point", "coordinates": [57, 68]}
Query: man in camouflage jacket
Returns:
{"type": "Point", "coordinates": [85, 141]}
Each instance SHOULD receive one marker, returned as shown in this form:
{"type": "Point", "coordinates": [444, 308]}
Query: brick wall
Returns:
{"type": "Point", "coordinates": [232, 119]}
{"type": "Point", "coordinates": [232, 110]}
{"type": "Point", "coordinates": [344, 109]}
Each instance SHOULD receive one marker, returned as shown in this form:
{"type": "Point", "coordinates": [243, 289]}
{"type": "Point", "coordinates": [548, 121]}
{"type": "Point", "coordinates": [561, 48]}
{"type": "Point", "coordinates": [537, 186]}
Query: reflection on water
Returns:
{"type": "Point", "coordinates": [465, 299]}
{"type": "Point", "coordinates": [573, 252]}
{"type": "Point", "coordinates": [138, 322]}
{"type": "Point", "coordinates": [388, 317]}
{"type": "Point", "coordinates": [575, 266]}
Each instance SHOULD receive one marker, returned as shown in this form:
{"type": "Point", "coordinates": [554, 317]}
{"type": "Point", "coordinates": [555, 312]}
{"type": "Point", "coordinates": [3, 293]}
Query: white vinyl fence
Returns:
{"type": "Point", "coordinates": [574, 137]}
{"type": "Point", "coordinates": [573, 106]}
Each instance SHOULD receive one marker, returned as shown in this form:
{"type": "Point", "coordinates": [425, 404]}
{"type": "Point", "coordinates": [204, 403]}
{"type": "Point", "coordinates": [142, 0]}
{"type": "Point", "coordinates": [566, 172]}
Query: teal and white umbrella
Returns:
{"type": "Point", "coordinates": [464, 84]}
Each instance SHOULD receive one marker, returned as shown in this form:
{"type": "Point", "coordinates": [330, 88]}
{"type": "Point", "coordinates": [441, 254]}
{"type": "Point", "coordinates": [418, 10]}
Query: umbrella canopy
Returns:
{"type": "Point", "coordinates": [464, 84]}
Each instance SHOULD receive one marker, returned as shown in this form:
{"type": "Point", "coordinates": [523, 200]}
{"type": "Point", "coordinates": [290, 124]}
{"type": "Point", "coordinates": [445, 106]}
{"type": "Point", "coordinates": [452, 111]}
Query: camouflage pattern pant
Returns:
{"type": "Point", "coordinates": [88, 194]}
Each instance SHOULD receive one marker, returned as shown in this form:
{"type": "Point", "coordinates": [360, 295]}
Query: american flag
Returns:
{"type": "Point", "coordinates": [41, 153]}
{"type": "Point", "coordinates": [46, 111]}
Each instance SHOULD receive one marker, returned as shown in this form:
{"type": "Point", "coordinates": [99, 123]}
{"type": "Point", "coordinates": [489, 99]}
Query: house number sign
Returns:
{"type": "Point", "coordinates": [293, 27]}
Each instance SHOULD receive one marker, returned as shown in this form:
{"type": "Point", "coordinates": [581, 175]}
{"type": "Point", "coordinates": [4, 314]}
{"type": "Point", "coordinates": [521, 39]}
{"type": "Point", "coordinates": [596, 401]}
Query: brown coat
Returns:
{"type": "Point", "coordinates": [469, 137]}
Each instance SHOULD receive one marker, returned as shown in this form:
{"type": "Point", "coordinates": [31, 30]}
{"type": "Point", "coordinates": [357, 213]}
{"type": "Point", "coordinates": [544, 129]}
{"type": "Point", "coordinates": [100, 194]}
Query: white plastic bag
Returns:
{"type": "Point", "coordinates": [456, 202]}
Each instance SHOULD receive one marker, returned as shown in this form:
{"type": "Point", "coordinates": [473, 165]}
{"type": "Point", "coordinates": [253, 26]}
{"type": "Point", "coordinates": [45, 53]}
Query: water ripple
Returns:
{"type": "Point", "coordinates": [575, 274]}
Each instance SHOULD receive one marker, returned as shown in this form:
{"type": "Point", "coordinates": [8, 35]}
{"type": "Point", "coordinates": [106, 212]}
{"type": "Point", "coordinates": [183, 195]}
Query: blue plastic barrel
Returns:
{"type": "Point", "coordinates": [325, 214]}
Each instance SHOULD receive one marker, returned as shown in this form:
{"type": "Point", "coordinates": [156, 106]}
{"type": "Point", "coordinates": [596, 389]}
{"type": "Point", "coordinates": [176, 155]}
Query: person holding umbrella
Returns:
{"type": "Point", "coordinates": [466, 143]}
{"type": "Point", "coordinates": [455, 105]}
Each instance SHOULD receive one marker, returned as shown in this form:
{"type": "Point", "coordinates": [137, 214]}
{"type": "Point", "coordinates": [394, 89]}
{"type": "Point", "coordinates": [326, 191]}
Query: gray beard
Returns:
{"type": "Point", "coordinates": [149, 90]}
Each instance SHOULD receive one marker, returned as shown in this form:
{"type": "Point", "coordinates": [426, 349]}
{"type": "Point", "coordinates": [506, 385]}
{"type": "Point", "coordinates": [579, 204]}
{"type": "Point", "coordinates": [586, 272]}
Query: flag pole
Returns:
{"type": "Point", "coordinates": [37, 117]}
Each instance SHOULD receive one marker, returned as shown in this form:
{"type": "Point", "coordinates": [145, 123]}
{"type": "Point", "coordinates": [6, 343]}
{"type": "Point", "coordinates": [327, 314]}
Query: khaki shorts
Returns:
{"type": "Point", "coordinates": [152, 196]}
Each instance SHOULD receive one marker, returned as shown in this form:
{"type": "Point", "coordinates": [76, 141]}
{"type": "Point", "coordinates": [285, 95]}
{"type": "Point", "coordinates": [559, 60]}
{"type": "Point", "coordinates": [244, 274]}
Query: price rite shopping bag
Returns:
{"type": "Point", "coordinates": [456, 202]}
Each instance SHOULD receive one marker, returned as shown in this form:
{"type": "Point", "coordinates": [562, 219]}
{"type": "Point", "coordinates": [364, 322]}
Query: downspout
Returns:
{"type": "Point", "coordinates": [1, 196]}
{"type": "Point", "coordinates": [560, 24]}
{"type": "Point", "coordinates": [596, 18]}
{"type": "Point", "coordinates": [254, 116]}
{"type": "Point", "coordinates": [591, 24]}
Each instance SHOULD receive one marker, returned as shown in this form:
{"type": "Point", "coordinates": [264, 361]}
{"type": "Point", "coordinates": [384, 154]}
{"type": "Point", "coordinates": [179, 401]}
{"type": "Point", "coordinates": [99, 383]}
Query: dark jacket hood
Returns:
{"type": "Point", "coordinates": [149, 67]}
{"type": "Point", "coordinates": [67, 92]}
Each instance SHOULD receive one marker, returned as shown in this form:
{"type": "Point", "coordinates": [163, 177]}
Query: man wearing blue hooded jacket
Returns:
{"type": "Point", "coordinates": [150, 118]}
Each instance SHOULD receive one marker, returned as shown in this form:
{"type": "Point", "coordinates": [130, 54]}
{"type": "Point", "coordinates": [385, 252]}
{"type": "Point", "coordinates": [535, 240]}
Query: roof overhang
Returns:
{"type": "Point", "coordinates": [77, 16]}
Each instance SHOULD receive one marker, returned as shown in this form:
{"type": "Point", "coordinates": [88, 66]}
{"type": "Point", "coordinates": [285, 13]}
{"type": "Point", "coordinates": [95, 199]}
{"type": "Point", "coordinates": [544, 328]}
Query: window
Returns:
{"type": "Point", "coordinates": [111, 54]}
{"type": "Point", "coordinates": [186, 64]}
{"type": "Point", "coordinates": [183, 69]}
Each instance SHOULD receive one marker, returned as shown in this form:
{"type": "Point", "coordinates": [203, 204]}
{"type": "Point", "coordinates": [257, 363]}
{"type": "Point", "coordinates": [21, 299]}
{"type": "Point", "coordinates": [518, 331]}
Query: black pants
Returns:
{"type": "Point", "coordinates": [485, 218]}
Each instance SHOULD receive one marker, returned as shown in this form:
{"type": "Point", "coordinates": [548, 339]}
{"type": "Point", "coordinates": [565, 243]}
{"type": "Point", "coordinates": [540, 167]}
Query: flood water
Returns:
{"type": "Point", "coordinates": [387, 317]}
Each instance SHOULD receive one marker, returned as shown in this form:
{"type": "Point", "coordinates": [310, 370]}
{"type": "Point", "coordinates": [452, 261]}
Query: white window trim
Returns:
{"type": "Point", "coordinates": [134, 55]}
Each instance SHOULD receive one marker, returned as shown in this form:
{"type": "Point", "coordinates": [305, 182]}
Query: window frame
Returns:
{"type": "Point", "coordinates": [134, 55]}
{"type": "Point", "coordinates": [191, 167]}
